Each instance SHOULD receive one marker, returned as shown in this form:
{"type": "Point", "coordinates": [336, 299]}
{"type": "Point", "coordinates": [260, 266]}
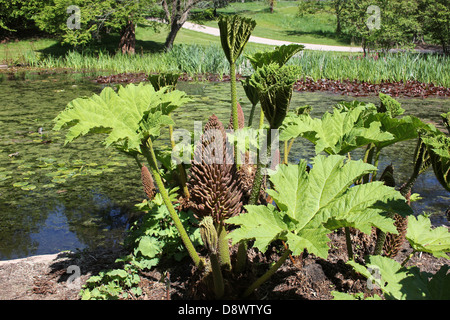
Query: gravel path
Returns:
{"type": "Point", "coordinates": [318, 47]}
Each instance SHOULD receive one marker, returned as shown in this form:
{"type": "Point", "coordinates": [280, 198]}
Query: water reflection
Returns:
{"type": "Point", "coordinates": [55, 197]}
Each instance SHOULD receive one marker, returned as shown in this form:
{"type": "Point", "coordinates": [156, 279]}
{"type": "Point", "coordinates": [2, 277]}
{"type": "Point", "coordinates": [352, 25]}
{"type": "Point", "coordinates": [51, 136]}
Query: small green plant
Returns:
{"type": "Point", "coordinates": [112, 285]}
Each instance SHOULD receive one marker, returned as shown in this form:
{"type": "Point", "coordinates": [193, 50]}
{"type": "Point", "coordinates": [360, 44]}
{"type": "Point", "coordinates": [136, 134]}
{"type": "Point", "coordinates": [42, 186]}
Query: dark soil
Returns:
{"type": "Point", "coordinates": [354, 88]}
{"type": "Point", "coordinates": [300, 278]}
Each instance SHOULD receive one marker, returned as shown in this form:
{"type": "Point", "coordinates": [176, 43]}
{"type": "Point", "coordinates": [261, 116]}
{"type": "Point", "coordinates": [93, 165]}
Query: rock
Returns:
{"type": "Point", "coordinates": [315, 272]}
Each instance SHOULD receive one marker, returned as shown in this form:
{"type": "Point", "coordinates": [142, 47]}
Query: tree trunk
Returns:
{"type": "Point", "coordinates": [338, 26]}
{"type": "Point", "coordinates": [445, 48]}
{"type": "Point", "coordinates": [128, 39]}
{"type": "Point", "coordinates": [174, 28]}
{"type": "Point", "coordinates": [338, 9]}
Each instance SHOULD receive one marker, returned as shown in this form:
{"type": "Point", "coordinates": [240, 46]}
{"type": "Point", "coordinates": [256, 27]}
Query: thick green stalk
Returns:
{"type": "Point", "coordinates": [381, 238]}
{"type": "Point", "coordinates": [291, 143]}
{"type": "Point", "coordinates": [287, 149]}
{"type": "Point", "coordinates": [217, 276]}
{"type": "Point", "coordinates": [375, 163]}
{"type": "Point", "coordinates": [348, 241]}
{"type": "Point", "coordinates": [180, 166]}
{"type": "Point", "coordinates": [285, 155]}
{"type": "Point", "coordinates": [148, 152]}
{"type": "Point", "coordinates": [234, 105]}
{"type": "Point", "coordinates": [223, 247]}
{"type": "Point", "coordinates": [254, 195]}
{"type": "Point", "coordinates": [267, 275]}
{"type": "Point", "coordinates": [261, 119]}
{"type": "Point", "coordinates": [241, 258]}
{"type": "Point", "coordinates": [252, 114]}
{"type": "Point", "coordinates": [368, 156]}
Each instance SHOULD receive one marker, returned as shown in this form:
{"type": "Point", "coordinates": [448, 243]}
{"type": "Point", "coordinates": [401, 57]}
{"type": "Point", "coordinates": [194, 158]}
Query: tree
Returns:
{"type": "Point", "coordinates": [272, 4]}
{"type": "Point", "coordinates": [338, 6]}
{"type": "Point", "coordinates": [176, 13]}
{"type": "Point", "coordinates": [95, 19]}
{"type": "Point", "coordinates": [16, 16]}
{"type": "Point", "coordinates": [379, 23]}
{"type": "Point", "coordinates": [435, 19]}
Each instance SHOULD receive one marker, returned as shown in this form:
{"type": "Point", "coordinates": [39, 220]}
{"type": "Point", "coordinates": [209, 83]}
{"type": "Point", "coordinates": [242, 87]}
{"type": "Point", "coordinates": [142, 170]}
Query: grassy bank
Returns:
{"type": "Point", "coordinates": [196, 53]}
{"type": "Point", "coordinates": [195, 59]}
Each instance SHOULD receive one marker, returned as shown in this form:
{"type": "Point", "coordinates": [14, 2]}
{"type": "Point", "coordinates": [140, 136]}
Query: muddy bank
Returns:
{"type": "Point", "coordinates": [304, 277]}
{"type": "Point", "coordinates": [413, 89]}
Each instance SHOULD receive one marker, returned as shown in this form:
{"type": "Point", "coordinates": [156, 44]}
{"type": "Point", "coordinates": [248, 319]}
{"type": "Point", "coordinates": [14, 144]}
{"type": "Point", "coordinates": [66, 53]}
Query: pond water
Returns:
{"type": "Point", "coordinates": [55, 197]}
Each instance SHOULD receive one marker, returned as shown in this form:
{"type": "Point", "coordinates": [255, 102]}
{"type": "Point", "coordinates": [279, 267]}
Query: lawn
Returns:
{"type": "Point", "coordinates": [284, 23]}
{"type": "Point", "coordinates": [147, 41]}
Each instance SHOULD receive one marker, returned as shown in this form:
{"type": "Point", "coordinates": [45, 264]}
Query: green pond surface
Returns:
{"type": "Point", "coordinates": [55, 197]}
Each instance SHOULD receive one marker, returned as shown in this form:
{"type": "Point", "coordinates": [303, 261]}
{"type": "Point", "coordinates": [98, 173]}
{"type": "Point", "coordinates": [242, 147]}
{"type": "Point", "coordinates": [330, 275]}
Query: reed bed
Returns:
{"type": "Point", "coordinates": [395, 67]}
{"type": "Point", "coordinates": [198, 59]}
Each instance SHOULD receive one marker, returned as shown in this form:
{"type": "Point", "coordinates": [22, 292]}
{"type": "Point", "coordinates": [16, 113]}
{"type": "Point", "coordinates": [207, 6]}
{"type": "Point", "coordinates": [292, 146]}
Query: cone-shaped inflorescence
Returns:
{"type": "Point", "coordinates": [394, 242]}
{"type": "Point", "coordinates": [241, 118]}
{"type": "Point", "coordinates": [147, 182]}
{"type": "Point", "coordinates": [213, 182]}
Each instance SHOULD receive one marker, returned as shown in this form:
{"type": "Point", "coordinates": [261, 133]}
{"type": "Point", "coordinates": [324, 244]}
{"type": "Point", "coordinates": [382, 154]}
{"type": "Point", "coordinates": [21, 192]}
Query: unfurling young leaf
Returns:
{"type": "Point", "coordinates": [234, 34]}
{"type": "Point", "coordinates": [280, 55]}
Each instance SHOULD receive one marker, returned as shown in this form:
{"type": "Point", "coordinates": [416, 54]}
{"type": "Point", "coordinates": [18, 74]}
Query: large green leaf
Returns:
{"type": "Point", "coordinates": [355, 124]}
{"type": "Point", "coordinates": [310, 205]}
{"type": "Point", "coordinates": [401, 283]}
{"type": "Point", "coordinates": [426, 239]}
{"type": "Point", "coordinates": [335, 133]}
{"type": "Point", "coordinates": [262, 223]}
{"type": "Point", "coordinates": [133, 113]}
{"type": "Point", "coordinates": [401, 129]}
